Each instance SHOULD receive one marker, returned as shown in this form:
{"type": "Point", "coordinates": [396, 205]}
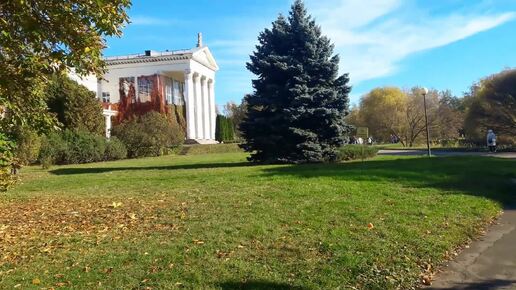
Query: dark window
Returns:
{"type": "Point", "coordinates": [106, 98]}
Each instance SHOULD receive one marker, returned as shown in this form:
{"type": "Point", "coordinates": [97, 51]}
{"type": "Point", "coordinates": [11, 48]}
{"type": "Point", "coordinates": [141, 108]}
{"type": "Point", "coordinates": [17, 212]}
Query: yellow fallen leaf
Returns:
{"type": "Point", "coordinates": [36, 281]}
{"type": "Point", "coordinates": [426, 280]}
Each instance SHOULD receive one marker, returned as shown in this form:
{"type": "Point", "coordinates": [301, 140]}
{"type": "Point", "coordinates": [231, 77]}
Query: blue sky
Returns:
{"type": "Point", "coordinates": [442, 44]}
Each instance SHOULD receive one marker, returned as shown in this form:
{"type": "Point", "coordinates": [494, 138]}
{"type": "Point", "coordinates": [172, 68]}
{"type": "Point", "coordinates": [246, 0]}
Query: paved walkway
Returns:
{"type": "Point", "coordinates": [412, 152]}
{"type": "Point", "coordinates": [489, 263]}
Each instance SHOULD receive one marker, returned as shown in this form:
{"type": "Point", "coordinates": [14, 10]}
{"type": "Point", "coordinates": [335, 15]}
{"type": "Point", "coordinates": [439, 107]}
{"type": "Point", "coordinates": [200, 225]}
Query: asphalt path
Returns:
{"type": "Point", "coordinates": [417, 152]}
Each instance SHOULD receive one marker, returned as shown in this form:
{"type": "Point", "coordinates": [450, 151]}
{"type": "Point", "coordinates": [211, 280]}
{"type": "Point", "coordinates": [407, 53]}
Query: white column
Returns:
{"type": "Point", "coordinates": [198, 107]}
{"type": "Point", "coordinates": [108, 113]}
{"type": "Point", "coordinates": [99, 89]}
{"type": "Point", "coordinates": [108, 125]}
{"type": "Point", "coordinates": [190, 105]}
{"type": "Point", "coordinates": [206, 109]}
{"type": "Point", "coordinates": [212, 111]}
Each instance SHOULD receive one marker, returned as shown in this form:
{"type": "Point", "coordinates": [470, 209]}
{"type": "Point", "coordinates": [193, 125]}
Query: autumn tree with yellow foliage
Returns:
{"type": "Point", "coordinates": [391, 111]}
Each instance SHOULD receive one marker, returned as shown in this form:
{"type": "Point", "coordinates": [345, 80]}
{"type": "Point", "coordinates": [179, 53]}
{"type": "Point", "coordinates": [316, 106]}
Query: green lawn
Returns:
{"type": "Point", "coordinates": [215, 222]}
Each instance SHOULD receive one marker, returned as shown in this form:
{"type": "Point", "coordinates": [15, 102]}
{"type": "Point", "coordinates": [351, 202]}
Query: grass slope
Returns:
{"type": "Point", "coordinates": [214, 222]}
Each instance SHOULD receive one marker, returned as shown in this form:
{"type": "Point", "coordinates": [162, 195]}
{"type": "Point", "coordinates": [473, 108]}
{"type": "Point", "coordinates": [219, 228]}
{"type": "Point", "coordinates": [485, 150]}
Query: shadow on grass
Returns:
{"type": "Point", "coordinates": [484, 285]}
{"type": "Point", "coordinates": [100, 169]}
{"type": "Point", "coordinates": [257, 285]}
{"type": "Point", "coordinates": [489, 177]}
{"type": "Point", "coordinates": [492, 178]}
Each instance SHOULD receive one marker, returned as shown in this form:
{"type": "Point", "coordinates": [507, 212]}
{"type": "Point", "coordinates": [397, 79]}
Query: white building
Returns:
{"type": "Point", "coordinates": [184, 78]}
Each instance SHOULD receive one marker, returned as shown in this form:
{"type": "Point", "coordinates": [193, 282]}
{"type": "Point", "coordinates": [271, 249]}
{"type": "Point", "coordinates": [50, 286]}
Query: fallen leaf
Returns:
{"type": "Point", "coordinates": [426, 280]}
{"type": "Point", "coordinates": [36, 281]}
{"type": "Point", "coordinates": [370, 226]}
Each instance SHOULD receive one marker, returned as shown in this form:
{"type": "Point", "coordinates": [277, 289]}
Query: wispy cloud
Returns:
{"type": "Point", "coordinates": [372, 39]}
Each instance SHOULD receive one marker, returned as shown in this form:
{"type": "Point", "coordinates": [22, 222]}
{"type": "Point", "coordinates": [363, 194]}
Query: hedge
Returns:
{"type": "Point", "coordinates": [75, 147]}
{"type": "Point", "coordinates": [354, 152]}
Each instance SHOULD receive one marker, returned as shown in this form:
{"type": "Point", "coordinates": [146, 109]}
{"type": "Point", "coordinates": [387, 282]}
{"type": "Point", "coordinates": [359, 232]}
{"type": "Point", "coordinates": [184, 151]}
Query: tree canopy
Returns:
{"type": "Point", "coordinates": [74, 106]}
{"type": "Point", "coordinates": [391, 111]}
{"type": "Point", "coordinates": [41, 38]}
{"type": "Point", "coordinates": [491, 104]}
{"type": "Point", "coordinates": [296, 112]}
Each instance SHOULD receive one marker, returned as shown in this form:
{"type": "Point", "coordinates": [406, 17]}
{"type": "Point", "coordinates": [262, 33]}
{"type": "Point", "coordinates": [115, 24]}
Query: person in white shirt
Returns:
{"type": "Point", "coordinates": [491, 141]}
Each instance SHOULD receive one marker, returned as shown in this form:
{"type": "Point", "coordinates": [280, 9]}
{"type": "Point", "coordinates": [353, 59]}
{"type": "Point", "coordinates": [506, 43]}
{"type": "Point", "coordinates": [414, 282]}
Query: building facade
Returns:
{"type": "Point", "coordinates": [156, 80]}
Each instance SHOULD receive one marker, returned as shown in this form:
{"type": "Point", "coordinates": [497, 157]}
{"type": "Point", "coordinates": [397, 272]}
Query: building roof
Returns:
{"type": "Point", "coordinates": [199, 54]}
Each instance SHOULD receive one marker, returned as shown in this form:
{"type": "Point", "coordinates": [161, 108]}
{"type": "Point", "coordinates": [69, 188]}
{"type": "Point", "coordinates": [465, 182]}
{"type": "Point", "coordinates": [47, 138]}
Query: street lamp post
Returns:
{"type": "Point", "coordinates": [425, 92]}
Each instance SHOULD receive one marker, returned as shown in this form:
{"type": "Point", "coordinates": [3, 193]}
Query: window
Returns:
{"type": "Point", "coordinates": [127, 88]}
{"type": "Point", "coordinates": [178, 93]}
{"type": "Point", "coordinates": [106, 98]}
{"type": "Point", "coordinates": [168, 91]}
{"type": "Point", "coordinates": [144, 89]}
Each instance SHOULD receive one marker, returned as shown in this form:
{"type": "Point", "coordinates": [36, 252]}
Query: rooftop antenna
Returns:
{"type": "Point", "coordinates": [199, 39]}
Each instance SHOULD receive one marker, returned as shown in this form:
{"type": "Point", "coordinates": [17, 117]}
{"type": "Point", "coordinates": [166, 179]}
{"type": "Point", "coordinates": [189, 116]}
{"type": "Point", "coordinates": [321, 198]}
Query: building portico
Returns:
{"type": "Point", "coordinates": [200, 107]}
{"type": "Point", "coordinates": [183, 80]}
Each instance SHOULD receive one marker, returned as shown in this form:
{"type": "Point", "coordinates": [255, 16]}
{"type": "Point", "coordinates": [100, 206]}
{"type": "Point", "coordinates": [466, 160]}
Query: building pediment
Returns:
{"type": "Point", "coordinates": [203, 56]}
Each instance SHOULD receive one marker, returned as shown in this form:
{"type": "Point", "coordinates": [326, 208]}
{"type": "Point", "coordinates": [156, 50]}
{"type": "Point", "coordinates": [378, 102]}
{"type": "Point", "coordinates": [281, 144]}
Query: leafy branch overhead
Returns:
{"type": "Point", "coordinates": [41, 38]}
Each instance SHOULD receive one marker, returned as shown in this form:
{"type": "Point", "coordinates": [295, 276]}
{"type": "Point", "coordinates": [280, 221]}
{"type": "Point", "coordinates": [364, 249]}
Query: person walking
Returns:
{"type": "Point", "coordinates": [491, 140]}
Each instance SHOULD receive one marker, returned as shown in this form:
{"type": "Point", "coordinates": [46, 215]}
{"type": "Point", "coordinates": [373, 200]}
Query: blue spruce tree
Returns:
{"type": "Point", "coordinates": [296, 113]}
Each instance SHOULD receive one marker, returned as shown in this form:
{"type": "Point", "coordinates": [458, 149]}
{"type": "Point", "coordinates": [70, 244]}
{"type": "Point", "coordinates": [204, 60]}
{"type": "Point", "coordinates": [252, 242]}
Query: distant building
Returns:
{"type": "Point", "coordinates": [156, 80]}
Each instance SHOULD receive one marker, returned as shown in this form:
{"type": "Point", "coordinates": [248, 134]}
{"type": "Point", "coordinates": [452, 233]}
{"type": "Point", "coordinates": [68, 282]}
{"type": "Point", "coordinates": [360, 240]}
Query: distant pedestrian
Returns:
{"type": "Point", "coordinates": [491, 141]}
{"type": "Point", "coordinates": [370, 141]}
{"type": "Point", "coordinates": [360, 141]}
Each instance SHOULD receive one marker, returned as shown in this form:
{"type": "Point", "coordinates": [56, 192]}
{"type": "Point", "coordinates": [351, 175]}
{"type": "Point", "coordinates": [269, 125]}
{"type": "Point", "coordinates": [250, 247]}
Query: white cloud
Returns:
{"type": "Point", "coordinates": [372, 39]}
{"type": "Point", "coordinates": [351, 13]}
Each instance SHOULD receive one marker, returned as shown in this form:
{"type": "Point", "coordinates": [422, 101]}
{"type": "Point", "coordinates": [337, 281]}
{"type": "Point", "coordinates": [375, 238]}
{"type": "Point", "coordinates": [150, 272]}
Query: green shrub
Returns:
{"type": "Point", "coordinates": [224, 129]}
{"type": "Point", "coordinates": [6, 161]}
{"type": "Point", "coordinates": [52, 149]}
{"type": "Point", "coordinates": [148, 135]}
{"type": "Point", "coordinates": [74, 106]}
{"type": "Point", "coordinates": [115, 150]}
{"type": "Point", "coordinates": [28, 144]}
{"type": "Point", "coordinates": [82, 147]}
{"type": "Point", "coordinates": [73, 147]}
{"type": "Point", "coordinates": [210, 148]}
{"type": "Point", "coordinates": [449, 143]}
{"type": "Point", "coordinates": [354, 152]}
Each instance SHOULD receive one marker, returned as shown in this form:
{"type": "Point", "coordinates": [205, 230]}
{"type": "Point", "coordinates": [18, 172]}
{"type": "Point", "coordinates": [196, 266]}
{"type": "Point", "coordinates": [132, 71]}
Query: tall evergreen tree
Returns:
{"type": "Point", "coordinates": [296, 113]}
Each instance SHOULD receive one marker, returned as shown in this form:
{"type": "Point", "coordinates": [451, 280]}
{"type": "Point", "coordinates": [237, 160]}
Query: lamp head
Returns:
{"type": "Point", "coordinates": [424, 91]}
